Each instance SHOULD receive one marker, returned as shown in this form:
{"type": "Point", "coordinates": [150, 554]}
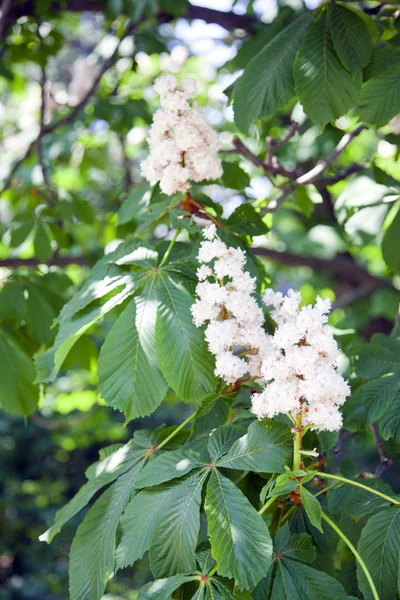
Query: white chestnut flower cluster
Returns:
{"type": "Point", "coordinates": [183, 147]}
{"type": "Point", "coordinates": [300, 369]}
{"type": "Point", "coordinates": [225, 300]}
{"type": "Point", "coordinates": [296, 364]}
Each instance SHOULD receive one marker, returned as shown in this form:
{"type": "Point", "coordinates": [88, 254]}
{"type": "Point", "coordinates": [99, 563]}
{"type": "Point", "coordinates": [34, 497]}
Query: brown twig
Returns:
{"type": "Point", "coordinates": [273, 145]}
{"type": "Point", "coordinates": [72, 114]}
{"type": "Point", "coordinates": [342, 266]}
{"type": "Point", "coordinates": [314, 173]}
{"type": "Point", "coordinates": [272, 166]}
{"type": "Point", "coordinates": [385, 461]}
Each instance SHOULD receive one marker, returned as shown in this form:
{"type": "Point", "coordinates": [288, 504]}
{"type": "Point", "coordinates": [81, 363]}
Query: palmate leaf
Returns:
{"type": "Point", "coordinates": [181, 350]}
{"type": "Point", "coordinates": [129, 379]}
{"type": "Point", "coordinates": [221, 440]}
{"type": "Point", "coordinates": [240, 540]}
{"type": "Point", "coordinates": [351, 38]}
{"type": "Point", "coordinates": [92, 556]}
{"type": "Point", "coordinates": [173, 547]}
{"type": "Point", "coordinates": [122, 460]}
{"type": "Point", "coordinates": [294, 580]}
{"type": "Point", "coordinates": [267, 82]}
{"type": "Point", "coordinates": [169, 465]}
{"type": "Point", "coordinates": [324, 87]}
{"type": "Point", "coordinates": [18, 394]}
{"type": "Point", "coordinates": [266, 447]}
{"type": "Point", "coordinates": [379, 546]}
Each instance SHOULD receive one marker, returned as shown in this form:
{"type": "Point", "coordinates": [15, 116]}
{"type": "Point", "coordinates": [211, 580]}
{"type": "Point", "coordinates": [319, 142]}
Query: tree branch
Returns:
{"type": "Point", "coordinates": [312, 175]}
{"type": "Point", "coordinates": [341, 267]}
{"type": "Point", "coordinates": [227, 20]}
{"type": "Point", "coordinates": [59, 261]}
{"type": "Point", "coordinates": [46, 129]}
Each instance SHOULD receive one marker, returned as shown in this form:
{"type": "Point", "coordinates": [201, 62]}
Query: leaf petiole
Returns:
{"type": "Point", "coordinates": [355, 552]}
{"type": "Point", "coordinates": [359, 485]}
{"type": "Point", "coordinates": [168, 251]}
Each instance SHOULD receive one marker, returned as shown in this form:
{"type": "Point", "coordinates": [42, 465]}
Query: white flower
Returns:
{"type": "Point", "coordinates": [296, 365]}
{"type": "Point", "coordinates": [183, 147]}
{"type": "Point", "coordinates": [301, 369]}
{"type": "Point", "coordinates": [209, 232]}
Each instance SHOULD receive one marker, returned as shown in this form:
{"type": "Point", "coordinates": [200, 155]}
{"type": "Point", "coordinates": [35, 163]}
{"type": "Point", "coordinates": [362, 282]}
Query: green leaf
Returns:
{"type": "Point", "coordinates": [379, 546]}
{"type": "Point", "coordinates": [239, 537]}
{"type": "Point", "coordinates": [390, 244]}
{"type": "Point", "coordinates": [245, 220]}
{"type": "Point", "coordinates": [266, 448]}
{"type": "Point", "coordinates": [181, 350]}
{"type": "Point", "coordinates": [127, 360]}
{"type": "Point", "coordinates": [18, 394]}
{"type": "Point", "coordinates": [325, 89]}
{"type": "Point", "coordinates": [389, 425]}
{"type": "Point", "coordinates": [380, 98]}
{"type": "Point", "coordinates": [12, 302]}
{"type": "Point", "coordinates": [163, 588]}
{"type": "Point", "coordinates": [375, 397]}
{"type": "Point", "coordinates": [350, 37]}
{"type": "Point", "coordinates": [102, 473]}
{"type": "Point", "coordinates": [92, 556]}
{"type": "Point", "coordinates": [356, 502]}
{"type": "Point", "coordinates": [204, 557]}
{"type": "Point", "coordinates": [384, 60]}
{"type": "Point", "coordinates": [107, 286]}
{"type": "Point", "coordinates": [294, 580]}
{"type": "Point", "coordinates": [139, 522]}
{"type": "Point", "coordinates": [267, 82]}
{"type": "Point", "coordinates": [169, 465]}
{"type": "Point", "coordinates": [221, 439]}
{"type": "Point", "coordinates": [234, 177]}
{"type": "Point", "coordinates": [134, 208]}
{"type": "Point", "coordinates": [40, 314]}
{"type": "Point", "coordinates": [295, 547]}
{"type": "Point", "coordinates": [42, 242]}
{"type": "Point", "coordinates": [174, 542]}
{"type": "Point", "coordinates": [312, 507]}
{"type": "Point", "coordinates": [375, 360]}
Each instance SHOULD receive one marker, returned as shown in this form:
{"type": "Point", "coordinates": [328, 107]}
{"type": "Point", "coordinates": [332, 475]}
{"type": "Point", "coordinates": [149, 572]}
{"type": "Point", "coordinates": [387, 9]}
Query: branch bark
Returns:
{"type": "Point", "coordinates": [227, 20]}
{"type": "Point", "coordinates": [341, 267]}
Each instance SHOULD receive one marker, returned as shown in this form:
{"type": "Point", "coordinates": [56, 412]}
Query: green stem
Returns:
{"type": "Point", "coordinates": [168, 251]}
{"type": "Point", "coordinates": [297, 442]}
{"type": "Point", "coordinates": [177, 430]}
{"type": "Point", "coordinates": [213, 570]}
{"type": "Point", "coordinates": [266, 506]}
{"type": "Point", "coordinates": [359, 485]}
{"type": "Point", "coordinates": [328, 487]}
{"type": "Point", "coordinates": [356, 554]}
